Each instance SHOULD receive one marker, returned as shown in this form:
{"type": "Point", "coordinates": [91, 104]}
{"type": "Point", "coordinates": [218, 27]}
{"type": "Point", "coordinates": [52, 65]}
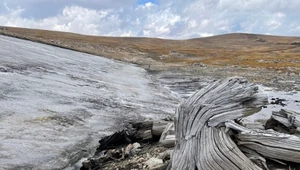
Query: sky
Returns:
{"type": "Point", "coordinates": [172, 19]}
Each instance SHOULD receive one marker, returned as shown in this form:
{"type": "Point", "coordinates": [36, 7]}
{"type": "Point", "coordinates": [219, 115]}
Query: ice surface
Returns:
{"type": "Point", "coordinates": [290, 104]}
{"type": "Point", "coordinates": [54, 102]}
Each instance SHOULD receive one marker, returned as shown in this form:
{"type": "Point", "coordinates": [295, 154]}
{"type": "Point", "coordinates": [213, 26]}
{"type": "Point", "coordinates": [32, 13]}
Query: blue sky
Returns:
{"type": "Point", "coordinates": [145, 1]}
{"type": "Point", "coordinates": [175, 19]}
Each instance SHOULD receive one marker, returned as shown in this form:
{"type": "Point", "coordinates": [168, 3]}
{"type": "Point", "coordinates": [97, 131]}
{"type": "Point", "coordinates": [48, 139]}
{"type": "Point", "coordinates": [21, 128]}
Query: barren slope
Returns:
{"type": "Point", "coordinates": [249, 50]}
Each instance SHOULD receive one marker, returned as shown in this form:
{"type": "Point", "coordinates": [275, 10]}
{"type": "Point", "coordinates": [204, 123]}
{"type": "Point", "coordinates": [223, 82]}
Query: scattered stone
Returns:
{"type": "Point", "coordinates": [295, 43]}
{"type": "Point", "coordinates": [199, 64]}
{"type": "Point", "coordinates": [3, 28]}
{"type": "Point", "coordinates": [260, 40]}
{"type": "Point", "coordinates": [152, 162]}
{"type": "Point", "coordinates": [165, 156]}
{"type": "Point", "coordinates": [113, 154]}
{"type": "Point", "coordinates": [128, 150]}
{"type": "Point", "coordinates": [3, 70]}
{"type": "Point", "coordinates": [136, 147]}
{"type": "Point", "coordinates": [87, 164]}
{"type": "Point", "coordinates": [160, 167]}
{"type": "Point", "coordinates": [278, 101]}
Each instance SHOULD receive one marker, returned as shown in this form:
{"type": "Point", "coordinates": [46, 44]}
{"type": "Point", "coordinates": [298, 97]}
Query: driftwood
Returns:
{"type": "Point", "coordinates": [143, 130]}
{"type": "Point", "coordinates": [200, 142]}
{"type": "Point", "coordinates": [167, 138]}
{"type": "Point", "coordinates": [255, 157]}
{"type": "Point", "coordinates": [147, 136]}
{"type": "Point", "coordinates": [134, 132]}
{"type": "Point", "coordinates": [287, 117]}
{"type": "Point", "coordinates": [158, 128]}
{"type": "Point", "coordinates": [269, 143]}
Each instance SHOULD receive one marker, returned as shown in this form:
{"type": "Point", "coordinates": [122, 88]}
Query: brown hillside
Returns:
{"type": "Point", "coordinates": [249, 50]}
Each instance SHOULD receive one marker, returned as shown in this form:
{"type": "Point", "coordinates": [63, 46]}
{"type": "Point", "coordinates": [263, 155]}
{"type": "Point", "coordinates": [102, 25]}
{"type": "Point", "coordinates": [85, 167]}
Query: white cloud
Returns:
{"type": "Point", "coordinates": [206, 34]}
{"type": "Point", "coordinates": [273, 24]}
{"type": "Point", "coordinates": [178, 19]}
{"type": "Point", "coordinates": [149, 5]}
{"type": "Point", "coordinates": [279, 15]}
{"type": "Point", "coordinates": [297, 29]}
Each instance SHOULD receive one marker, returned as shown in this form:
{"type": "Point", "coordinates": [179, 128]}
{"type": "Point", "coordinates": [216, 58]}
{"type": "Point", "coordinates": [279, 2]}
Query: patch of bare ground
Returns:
{"type": "Point", "coordinates": [245, 50]}
{"type": "Point", "coordinates": [277, 79]}
{"type": "Point", "coordinates": [270, 60]}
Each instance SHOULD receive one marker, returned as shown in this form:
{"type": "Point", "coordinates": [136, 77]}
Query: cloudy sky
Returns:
{"type": "Point", "coordinates": [176, 19]}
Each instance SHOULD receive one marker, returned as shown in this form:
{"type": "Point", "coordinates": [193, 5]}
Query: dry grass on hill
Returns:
{"type": "Point", "coordinates": [247, 50]}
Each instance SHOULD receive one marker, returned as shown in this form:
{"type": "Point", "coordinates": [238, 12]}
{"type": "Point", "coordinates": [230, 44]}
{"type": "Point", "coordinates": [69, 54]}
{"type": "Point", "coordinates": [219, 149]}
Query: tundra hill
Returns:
{"type": "Point", "coordinates": [246, 50]}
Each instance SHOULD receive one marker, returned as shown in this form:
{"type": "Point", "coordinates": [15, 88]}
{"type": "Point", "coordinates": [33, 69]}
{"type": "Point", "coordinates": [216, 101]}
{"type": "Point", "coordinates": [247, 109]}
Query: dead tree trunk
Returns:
{"type": "Point", "coordinates": [287, 117]}
{"type": "Point", "coordinates": [268, 143]}
{"type": "Point", "coordinates": [202, 144]}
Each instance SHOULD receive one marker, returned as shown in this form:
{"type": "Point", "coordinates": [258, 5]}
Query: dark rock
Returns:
{"type": "Point", "coordinates": [260, 40]}
{"type": "Point", "coordinates": [169, 118]}
{"type": "Point", "coordinates": [199, 64]}
{"type": "Point", "coordinates": [117, 139]}
{"type": "Point", "coordinates": [5, 70]}
{"type": "Point", "coordinates": [278, 101]}
{"type": "Point", "coordinates": [86, 165]}
{"type": "Point", "coordinates": [3, 28]}
{"type": "Point", "coordinates": [295, 43]}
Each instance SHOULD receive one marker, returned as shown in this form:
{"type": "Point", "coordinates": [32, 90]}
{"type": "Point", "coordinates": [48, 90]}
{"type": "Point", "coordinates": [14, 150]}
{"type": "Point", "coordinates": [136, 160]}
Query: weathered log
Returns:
{"type": "Point", "coordinates": [143, 130]}
{"type": "Point", "coordinates": [254, 125]}
{"type": "Point", "coordinates": [135, 131]}
{"type": "Point", "coordinates": [116, 139]}
{"type": "Point", "coordinates": [200, 142]}
{"type": "Point", "coordinates": [147, 136]}
{"type": "Point", "coordinates": [142, 125]}
{"type": "Point", "coordinates": [269, 143]}
{"type": "Point", "coordinates": [287, 117]}
{"type": "Point", "coordinates": [255, 157]}
{"type": "Point", "coordinates": [167, 138]}
{"type": "Point", "coordinates": [158, 128]}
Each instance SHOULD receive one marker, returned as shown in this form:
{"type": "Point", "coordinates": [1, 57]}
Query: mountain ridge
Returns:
{"type": "Point", "coordinates": [234, 49]}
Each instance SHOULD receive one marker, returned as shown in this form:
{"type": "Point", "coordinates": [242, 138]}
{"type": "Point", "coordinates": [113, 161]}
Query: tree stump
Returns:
{"type": "Point", "coordinates": [201, 143]}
